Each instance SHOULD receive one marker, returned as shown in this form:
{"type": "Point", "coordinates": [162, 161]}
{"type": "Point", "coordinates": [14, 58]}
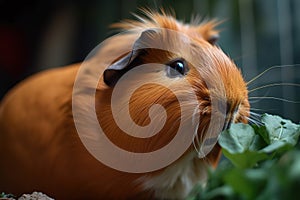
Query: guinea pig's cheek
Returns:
{"type": "Point", "coordinates": [242, 114]}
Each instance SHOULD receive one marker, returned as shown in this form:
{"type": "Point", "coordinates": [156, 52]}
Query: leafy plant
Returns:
{"type": "Point", "coordinates": [262, 162]}
{"type": "Point", "coordinates": [6, 196]}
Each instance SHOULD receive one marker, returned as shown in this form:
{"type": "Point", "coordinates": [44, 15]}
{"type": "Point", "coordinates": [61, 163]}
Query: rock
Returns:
{"type": "Point", "coordinates": [35, 196]}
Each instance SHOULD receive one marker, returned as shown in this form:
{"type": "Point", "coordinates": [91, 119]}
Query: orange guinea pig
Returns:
{"type": "Point", "coordinates": [138, 120]}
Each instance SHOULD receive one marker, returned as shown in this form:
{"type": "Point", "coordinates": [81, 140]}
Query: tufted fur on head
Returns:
{"type": "Point", "coordinates": [205, 29]}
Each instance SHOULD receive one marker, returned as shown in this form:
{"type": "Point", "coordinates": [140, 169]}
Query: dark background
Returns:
{"type": "Point", "coordinates": [36, 35]}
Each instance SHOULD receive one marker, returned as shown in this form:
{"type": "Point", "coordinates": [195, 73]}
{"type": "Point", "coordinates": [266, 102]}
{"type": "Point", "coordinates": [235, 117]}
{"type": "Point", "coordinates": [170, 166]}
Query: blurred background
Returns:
{"type": "Point", "coordinates": [37, 35]}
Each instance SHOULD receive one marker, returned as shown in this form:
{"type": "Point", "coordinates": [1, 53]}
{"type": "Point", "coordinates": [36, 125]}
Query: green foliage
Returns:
{"type": "Point", "coordinates": [263, 162]}
{"type": "Point", "coordinates": [6, 196]}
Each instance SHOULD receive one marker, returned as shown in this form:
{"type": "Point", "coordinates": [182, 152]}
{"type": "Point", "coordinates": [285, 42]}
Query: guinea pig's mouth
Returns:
{"type": "Point", "coordinates": [207, 138]}
{"type": "Point", "coordinates": [213, 122]}
{"type": "Point", "coordinates": [227, 123]}
{"type": "Point", "coordinates": [230, 116]}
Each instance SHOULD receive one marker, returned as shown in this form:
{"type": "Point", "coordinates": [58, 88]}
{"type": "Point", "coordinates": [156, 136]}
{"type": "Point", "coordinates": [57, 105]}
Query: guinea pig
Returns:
{"type": "Point", "coordinates": [161, 83]}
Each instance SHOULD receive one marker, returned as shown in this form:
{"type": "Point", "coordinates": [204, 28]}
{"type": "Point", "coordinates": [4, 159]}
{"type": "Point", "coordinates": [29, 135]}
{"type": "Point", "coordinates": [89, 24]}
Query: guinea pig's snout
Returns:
{"type": "Point", "coordinates": [226, 110]}
{"type": "Point", "coordinates": [230, 114]}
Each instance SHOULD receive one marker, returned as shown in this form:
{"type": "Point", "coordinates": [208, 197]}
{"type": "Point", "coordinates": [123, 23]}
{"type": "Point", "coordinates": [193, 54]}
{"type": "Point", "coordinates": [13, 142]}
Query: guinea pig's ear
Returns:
{"type": "Point", "coordinates": [208, 31]}
{"type": "Point", "coordinates": [117, 69]}
{"type": "Point", "coordinates": [114, 72]}
{"type": "Point", "coordinates": [212, 39]}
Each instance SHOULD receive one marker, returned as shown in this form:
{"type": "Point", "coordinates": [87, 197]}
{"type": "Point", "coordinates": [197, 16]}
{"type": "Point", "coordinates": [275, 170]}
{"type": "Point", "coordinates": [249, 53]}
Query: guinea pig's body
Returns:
{"type": "Point", "coordinates": [40, 147]}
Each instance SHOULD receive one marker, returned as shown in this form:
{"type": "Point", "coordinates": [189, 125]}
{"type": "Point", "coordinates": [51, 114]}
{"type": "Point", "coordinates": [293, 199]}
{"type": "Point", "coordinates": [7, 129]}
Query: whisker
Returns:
{"type": "Point", "coordinates": [270, 68]}
{"type": "Point", "coordinates": [274, 98]}
{"type": "Point", "coordinates": [273, 85]}
{"type": "Point", "coordinates": [254, 115]}
{"type": "Point", "coordinates": [255, 121]}
{"type": "Point", "coordinates": [254, 101]}
{"type": "Point", "coordinates": [251, 111]}
{"type": "Point", "coordinates": [196, 139]}
{"type": "Point", "coordinates": [196, 110]}
{"type": "Point", "coordinates": [258, 100]}
{"type": "Point", "coordinates": [254, 118]}
{"type": "Point", "coordinates": [258, 109]}
{"type": "Point", "coordinates": [200, 150]}
{"type": "Point", "coordinates": [262, 110]}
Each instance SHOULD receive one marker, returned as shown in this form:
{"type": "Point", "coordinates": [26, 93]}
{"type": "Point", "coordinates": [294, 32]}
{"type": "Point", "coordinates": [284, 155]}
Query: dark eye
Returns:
{"type": "Point", "coordinates": [177, 68]}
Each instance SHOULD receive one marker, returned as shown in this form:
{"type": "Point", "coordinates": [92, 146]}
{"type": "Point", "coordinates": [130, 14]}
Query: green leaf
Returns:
{"type": "Point", "coordinates": [246, 159]}
{"type": "Point", "coordinates": [240, 184]}
{"type": "Point", "coordinates": [240, 138]}
{"type": "Point", "coordinates": [281, 129]}
{"type": "Point", "coordinates": [262, 131]}
{"type": "Point", "coordinates": [277, 146]}
{"type": "Point", "coordinates": [246, 145]}
{"type": "Point", "coordinates": [241, 145]}
{"type": "Point", "coordinates": [218, 193]}
{"type": "Point", "coordinates": [6, 196]}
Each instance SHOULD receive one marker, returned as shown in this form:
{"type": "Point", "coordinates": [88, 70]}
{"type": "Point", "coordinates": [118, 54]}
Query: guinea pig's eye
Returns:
{"type": "Point", "coordinates": [177, 68]}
